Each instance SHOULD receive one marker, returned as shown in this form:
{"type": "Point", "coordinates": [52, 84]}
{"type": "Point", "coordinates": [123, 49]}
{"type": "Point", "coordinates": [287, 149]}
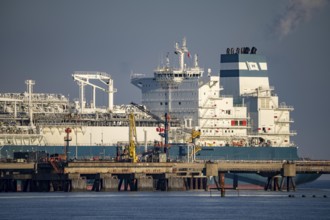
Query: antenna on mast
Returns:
{"type": "Point", "coordinates": [181, 51]}
{"type": "Point", "coordinates": [176, 47]}
{"type": "Point", "coordinates": [196, 60]}
{"type": "Point", "coordinates": [184, 43]}
{"type": "Point", "coordinates": [167, 60]}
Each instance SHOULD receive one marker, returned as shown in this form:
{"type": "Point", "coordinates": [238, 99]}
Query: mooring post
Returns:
{"type": "Point", "coordinates": [222, 183]}
{"type": "Point", "coordinates": [212, 171]}
{"type": "Point", "coordinates": [288, 183]}
{"type": "Point", "coordinates": [235, 182]}
{"type": "Point", "coordinates": [268, 184]}
{"type": "Point", "coordinates": [289, 172]}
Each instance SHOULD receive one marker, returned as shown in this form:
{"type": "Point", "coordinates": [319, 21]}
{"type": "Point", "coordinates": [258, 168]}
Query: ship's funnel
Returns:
{"type": "Point", "coordinates": [243, 73]}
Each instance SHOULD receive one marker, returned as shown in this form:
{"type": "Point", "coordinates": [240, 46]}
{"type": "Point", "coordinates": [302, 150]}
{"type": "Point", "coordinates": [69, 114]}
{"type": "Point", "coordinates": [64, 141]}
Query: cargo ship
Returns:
{"type": "Point", "coordinates": [234, 115]}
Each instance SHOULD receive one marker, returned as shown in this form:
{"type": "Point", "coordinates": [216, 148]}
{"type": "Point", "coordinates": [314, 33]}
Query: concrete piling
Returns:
{"type": "Point", "coordinates": [144, 183]}
{"type": "Point", "coordinates": [77, 183]}
{"type": "Point", "coordinates": [176, 184]}
{"type": "Point", "coordinates": [109, 183]}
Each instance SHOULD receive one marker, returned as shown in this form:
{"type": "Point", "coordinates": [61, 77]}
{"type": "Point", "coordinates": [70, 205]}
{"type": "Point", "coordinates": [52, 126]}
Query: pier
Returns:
{"type": "Point", "coordinates": [170, 176]}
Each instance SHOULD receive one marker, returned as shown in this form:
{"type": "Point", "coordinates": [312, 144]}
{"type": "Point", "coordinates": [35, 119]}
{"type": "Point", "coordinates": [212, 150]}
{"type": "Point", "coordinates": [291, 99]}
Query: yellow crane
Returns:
{"type": "Point", "coordinates": [194, 135]}
{"type": "Point", "coordinates": [132, 138]}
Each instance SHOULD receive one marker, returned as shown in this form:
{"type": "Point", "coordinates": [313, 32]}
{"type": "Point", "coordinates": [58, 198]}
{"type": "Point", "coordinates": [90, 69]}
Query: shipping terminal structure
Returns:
{"type": "Point", "coordinates": [234, 115]}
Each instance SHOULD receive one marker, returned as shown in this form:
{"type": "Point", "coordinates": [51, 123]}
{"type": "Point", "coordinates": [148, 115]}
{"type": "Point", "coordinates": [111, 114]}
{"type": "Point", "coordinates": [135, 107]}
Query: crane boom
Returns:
{"type": "Point", "coordinates": [83, 79]}
{"type": "Point", "coordinates": [132, 138]}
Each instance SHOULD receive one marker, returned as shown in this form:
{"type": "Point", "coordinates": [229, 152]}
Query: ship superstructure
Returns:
{"type": "Point", "coordinates": [172, 90]}
{"type": "Point", "coordinates": [244, 113]}
{"type": "Point", "coordinates": [245, 76]}
{"type": "Point", "coordinates": [40, 119]}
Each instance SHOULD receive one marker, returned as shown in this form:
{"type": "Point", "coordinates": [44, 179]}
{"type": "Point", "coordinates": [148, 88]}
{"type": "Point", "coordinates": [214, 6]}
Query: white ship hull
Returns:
{"type": "Point", "coordinates": [82, 136]}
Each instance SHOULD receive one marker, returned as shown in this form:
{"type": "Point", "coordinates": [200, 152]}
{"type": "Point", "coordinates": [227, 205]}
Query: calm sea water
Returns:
{"type": "Point", "coordinates": [243, 204]}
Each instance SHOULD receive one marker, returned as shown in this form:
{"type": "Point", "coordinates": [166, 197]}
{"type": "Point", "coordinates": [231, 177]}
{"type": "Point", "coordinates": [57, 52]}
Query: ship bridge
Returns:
{"type": "Point", "coordinates": [172, 89]}
{"type": "Point", "coordinates": [168, 75]}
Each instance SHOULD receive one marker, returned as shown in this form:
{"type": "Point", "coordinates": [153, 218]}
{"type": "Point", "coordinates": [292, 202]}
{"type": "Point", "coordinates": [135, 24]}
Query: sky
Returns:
{"type": "Point", "coordinates": [48, 40]}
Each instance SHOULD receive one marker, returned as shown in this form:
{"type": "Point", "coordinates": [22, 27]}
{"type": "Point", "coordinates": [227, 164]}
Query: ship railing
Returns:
{"type": "Point", "coordinates": [260, 91]}
{"type": "Point", "coordinates": [9, 131]}
{"type": "Point", "coordinates": [106, 145]}
{"type": "Point", "coordinates": [173, 99]}
{"type": "Point", "coordinates": [188, 71]}
{"type": "Point", "coordinates": [292, 144]}
{"type": "Point", "coordinates": [86, 123]}
{"type": "Point", "coordinates": [140, 123]}
{"type": "Point", "coordinates": [271, 88]}
{"type": "Point", "coordinates": [211, 126]}
{"type": "Point", "coordinates": [20, 136]}
{"type": "Point", "coordinates": [165, 71]}
{"type": "Point", "coordinates": [226, 96]}
{"type": "Point", "coordinates": [179, 110]}
{"type": "Point", "coordinates": [92, 72]}
{"type": "Point", "coordinates": [285, 106]}
{"type": "Point", "coordinates": [225, 117]}
{"type": "Point", "coordinates": [35, 96]}
{"type": "Point", "coordinates": [46, 97]}
{"type": "Point", "coordinates": [239, 105]}
{"type": "Point", "coordinates": [206, 159]}
{"type": "Point", "coordinates": [11, 95]}
{"type": "Point", "coordinates": [290, 120]}
{"type": "Point", "coordinates": [291, 132]}
{"type": "Point", "coordinates": [308, 162]}
{"type": "Point", "coordinates": [16, 131]}
{"type": "Point", "coordinates": [6, 115]}
{"type": "Point", "coordinates": [137, 75]}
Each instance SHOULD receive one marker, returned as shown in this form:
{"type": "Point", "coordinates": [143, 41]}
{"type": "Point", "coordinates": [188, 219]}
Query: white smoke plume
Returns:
{"type": "Point", "coordinates": [296, 13]}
